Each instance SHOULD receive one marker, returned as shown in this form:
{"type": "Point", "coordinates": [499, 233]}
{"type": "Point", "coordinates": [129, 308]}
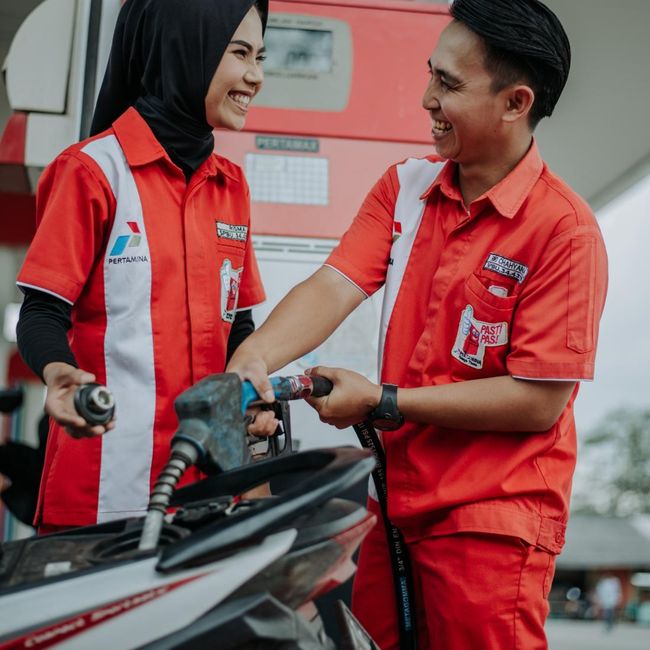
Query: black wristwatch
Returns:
{"type": "Point", "coordinates": [386, 416]}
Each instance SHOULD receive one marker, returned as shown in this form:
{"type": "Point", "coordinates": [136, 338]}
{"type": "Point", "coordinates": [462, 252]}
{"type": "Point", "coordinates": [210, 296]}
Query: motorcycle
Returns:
{"type": "Point", "coordinates": [207, 567]}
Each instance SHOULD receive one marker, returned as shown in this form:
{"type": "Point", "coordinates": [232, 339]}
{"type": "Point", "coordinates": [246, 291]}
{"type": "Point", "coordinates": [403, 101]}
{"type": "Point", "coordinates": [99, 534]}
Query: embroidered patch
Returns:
{"type": "Point", "coordinates": [231, 231]}
{"type": "Point", "coordinates": [397, 230]}
{"type": "Point", "coordinates": [230, 279]}
{"type": "Point", "coordinates": [474, 336]}
{"type": "Point", "coordinates": [126, 248]}
{"type": "Point", "coordinates": [506, 266]}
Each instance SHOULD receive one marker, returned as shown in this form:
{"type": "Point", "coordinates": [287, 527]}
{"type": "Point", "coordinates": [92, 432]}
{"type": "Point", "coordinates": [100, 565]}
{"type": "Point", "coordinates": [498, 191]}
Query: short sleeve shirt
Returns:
{"type": "Point", "coordinates": [155, 269]}
{"type": "Point", "coordinates": [513, 284]}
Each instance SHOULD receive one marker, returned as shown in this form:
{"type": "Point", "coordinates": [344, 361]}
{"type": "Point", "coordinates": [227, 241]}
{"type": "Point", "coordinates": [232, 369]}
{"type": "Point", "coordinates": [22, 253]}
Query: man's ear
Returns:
{"type": "Point", "coordinates": [519, 101]}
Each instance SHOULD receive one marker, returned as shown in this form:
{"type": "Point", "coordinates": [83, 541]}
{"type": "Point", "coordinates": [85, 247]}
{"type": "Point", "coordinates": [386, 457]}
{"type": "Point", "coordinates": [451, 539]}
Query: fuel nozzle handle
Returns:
{"type": "Point", "coordinates": [94, 403]}
{"type": "Point", "coordinates": [288, 388]}
{"type": "Point", "coordinates": [321, 386]}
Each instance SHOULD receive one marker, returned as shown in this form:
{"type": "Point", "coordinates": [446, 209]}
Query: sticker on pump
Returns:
{"type": "Point", "coordinates": [298, 180]}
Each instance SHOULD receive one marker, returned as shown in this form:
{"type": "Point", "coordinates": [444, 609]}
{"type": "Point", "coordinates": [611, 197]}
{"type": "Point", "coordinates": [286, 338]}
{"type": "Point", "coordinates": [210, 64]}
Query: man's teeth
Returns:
{"type": "Point", "coordinates": [441, 126]}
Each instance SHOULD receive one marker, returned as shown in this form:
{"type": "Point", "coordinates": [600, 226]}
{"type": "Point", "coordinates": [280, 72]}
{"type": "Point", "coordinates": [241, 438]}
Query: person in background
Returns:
{"type": "Point", "coordinates": [21, 463]}
{"type": "Point", "coordinates": [608, 597]}
{"type": "Point", "coordinates": [494, 274]}
{"type": "Point", "coordinates": [141, 275]}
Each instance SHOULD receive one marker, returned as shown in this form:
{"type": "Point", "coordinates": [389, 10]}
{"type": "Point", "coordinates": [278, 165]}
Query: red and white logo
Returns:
{"type": "Point", "coordinates": [474, 336]}
{"type": "Point", "coordinates": [230, 279]}
{"type": "Point", "coordinates": [397, 230]}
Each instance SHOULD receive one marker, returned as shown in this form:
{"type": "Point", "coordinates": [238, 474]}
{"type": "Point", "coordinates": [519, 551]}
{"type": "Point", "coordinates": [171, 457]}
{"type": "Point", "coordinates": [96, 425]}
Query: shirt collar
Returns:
{"type": "Point", "coordinates": [508, 195]}
{"type": "Point", "coordinates": [141, 147]}
{"type": "Point", "coordinates": [136, 139]}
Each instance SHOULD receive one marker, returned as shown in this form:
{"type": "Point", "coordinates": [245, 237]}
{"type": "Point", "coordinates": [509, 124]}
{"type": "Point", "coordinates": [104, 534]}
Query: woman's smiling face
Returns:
{"type": "Point", "coordinates": [238, 77]}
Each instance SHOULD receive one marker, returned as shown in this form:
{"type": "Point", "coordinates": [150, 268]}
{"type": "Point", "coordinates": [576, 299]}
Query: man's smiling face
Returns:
{"type": "Point", "coordinates": [465, 112]}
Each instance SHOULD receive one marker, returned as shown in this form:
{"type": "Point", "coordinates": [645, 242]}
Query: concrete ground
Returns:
{"type": "Point", "coordinates": [591, 635]}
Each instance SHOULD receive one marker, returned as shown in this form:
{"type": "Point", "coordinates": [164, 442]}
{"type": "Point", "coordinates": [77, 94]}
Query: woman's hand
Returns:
{"type": "Point", "coordinates": [251, 367]}
{"type": "Point", "coordinates": [351, 399]}
{"type": "Point", "coordinates": [62, 380]}
{"type": "Point", "coordinates": [261, 423]}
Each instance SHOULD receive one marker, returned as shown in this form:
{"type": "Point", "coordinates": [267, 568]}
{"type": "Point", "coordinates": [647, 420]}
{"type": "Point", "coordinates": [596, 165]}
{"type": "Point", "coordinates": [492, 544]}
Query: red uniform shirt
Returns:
{"type": "Point", "coordinates": [155, 269]}
{"type": "Point", "coordinates": [512, 285]}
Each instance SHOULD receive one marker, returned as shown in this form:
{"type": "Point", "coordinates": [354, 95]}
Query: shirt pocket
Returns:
{"type": "Point", "coordinates": [483, 331]}
{"type": "Point", "coordinates": [478, 290]}
{"type": "Point", "coordinates": [233, 249]}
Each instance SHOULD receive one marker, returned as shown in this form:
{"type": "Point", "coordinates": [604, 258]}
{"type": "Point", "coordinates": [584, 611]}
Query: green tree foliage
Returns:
{"type": "Point", "coordinates": [613, 475]}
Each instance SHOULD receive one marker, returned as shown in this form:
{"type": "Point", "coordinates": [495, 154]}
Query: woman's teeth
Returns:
{"type": "Point", "coordinates": [241, 99]}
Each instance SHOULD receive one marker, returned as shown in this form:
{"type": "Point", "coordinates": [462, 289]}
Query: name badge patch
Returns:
{"type": "Point", "coordinates": [231, 231]}
{"type": "Point", "coordinates": [474, 336]}
{"type": "Point", "coordinates": [506, 266]}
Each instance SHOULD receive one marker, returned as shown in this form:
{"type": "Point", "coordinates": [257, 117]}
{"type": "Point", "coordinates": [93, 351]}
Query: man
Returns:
{"type": "Point", "coordinates": [495, 279]}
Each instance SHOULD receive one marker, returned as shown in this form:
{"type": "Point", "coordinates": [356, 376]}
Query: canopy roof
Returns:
{"type": "Point", "coordinates": [594, 542]}
{"type": "Point", "coordinates": [598, 139]}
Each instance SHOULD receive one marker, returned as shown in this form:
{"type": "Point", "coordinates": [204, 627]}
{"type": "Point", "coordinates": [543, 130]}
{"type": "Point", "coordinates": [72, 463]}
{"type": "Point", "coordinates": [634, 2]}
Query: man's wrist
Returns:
{"type": "Point", "coordinates": [386, 415]}
{"type": "Point", "coordinates": [374, 397]}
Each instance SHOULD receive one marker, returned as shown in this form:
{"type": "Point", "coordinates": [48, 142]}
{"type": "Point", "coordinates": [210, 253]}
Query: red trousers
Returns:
{"type": "Point", "coordinates": [474, 591]}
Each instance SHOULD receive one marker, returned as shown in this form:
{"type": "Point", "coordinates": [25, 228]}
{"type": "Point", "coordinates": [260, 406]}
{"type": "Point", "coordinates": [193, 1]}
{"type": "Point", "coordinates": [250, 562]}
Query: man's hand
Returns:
{"type": "Point", "coordinates": [351, 399]}
{"type": "Point", "coordinates": [62, 380]}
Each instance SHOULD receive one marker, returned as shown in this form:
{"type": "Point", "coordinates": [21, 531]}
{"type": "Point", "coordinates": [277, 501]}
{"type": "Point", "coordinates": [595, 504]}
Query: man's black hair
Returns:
{"type": "Point", "coordinates": [524, 41]}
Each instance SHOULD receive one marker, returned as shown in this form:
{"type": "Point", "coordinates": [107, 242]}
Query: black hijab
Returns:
{"type": "Point", "coordinates": [163, 57]}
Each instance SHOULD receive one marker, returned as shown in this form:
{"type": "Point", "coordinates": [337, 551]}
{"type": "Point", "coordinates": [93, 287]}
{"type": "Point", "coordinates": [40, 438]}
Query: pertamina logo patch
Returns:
{"type": "Point", "coordinates": [125, 247]}
{"type": "Point", "coordinates": [474, 336]}
{"type": "Point", "coordinates": [231, 231]}
{"type": "Point", "coordinates": [507, 267]}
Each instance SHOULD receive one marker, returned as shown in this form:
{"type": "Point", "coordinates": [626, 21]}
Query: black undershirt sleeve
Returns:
{"type": "Point", "coordinates": [242, 327]}
{"type": "Point", "coordinates": [42, 330]}
{"type": "Point", "coordinates": [45, 320]}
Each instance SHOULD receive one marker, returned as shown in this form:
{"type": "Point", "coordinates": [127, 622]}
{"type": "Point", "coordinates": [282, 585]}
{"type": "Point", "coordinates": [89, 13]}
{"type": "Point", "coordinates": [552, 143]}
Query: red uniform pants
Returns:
{"type": "Point", "coordinates": [474, 591]}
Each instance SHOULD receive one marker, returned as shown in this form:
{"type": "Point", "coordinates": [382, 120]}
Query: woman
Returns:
{"type": "Point", "coordinates": [143, 251]}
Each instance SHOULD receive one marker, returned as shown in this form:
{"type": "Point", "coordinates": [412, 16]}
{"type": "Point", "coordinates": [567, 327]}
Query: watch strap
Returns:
{"type": "Point", "coordinates": [387, 407]}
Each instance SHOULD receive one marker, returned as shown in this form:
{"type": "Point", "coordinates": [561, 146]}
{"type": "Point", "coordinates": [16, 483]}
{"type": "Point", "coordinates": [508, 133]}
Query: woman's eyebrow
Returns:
{"type": "Point", "coordinates": [247, 45]}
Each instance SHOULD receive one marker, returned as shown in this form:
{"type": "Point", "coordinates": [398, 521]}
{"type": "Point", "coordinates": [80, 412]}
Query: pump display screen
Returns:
{"type": "Point", "coordinates": [308, 63]}
{"type": "Point", "coordinates": [298, 50]}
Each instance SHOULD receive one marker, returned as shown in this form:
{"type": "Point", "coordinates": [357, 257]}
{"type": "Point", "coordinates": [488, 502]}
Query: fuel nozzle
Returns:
{"type": "Point", "coordinates": [95, 403]}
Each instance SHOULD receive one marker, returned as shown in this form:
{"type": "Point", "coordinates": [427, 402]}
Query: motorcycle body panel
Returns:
{"type": "Point", "coordinates": [130, 604]}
